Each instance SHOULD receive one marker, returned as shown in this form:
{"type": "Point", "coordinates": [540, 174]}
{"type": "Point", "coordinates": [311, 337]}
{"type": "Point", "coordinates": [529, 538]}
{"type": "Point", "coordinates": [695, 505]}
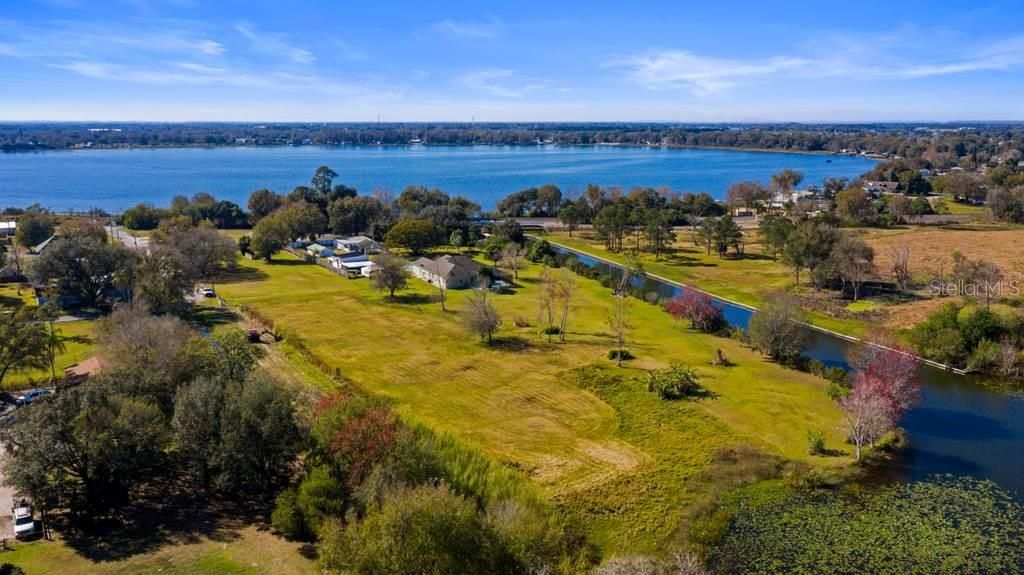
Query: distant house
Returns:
{"type": "Point", "coordinates": [7, 229]}
{"type": "Point", "coordinates": [358, 244]}
{"type": "Point", "coordinates": [878, 188]}
{"type": "Point", "coordinates": [448, 272]}
{"type": "Point", "coordinates": [319, 251]}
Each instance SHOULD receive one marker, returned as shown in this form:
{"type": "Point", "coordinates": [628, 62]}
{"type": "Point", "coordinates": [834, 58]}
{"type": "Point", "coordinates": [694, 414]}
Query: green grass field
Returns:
{"type": "Point", "coordinates": [616, 459]}
{"type": "Point", "coordinates": [745, 280]}
{"type": "Point", "coordinates": [248, 551]}
{"type": "Point", "coordinates": [76, 335]}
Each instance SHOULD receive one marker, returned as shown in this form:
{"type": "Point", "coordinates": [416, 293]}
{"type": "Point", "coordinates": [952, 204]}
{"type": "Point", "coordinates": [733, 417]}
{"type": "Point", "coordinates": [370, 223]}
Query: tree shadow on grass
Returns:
{"type": "Point", "coordinates": [210, 317]}
{"type": "Point", "coordinates": [244, 273]}
{"type": "Point", "coordinates": [510, 343]}
{"type": "Point", "coordinates": [167, 512]}
{"type": "Point", "coordinates": [411, 299]}
{"type": "Point", "coordinates": [11, 302]}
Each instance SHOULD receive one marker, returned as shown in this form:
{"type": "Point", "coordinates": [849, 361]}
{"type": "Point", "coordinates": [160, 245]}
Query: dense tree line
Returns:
{"type": "Point", "coordinates": [83, 268]}
{"type": "Point", "coordinates": [168, 398]}
{"type": "Point", "coordinates": [943, 146]}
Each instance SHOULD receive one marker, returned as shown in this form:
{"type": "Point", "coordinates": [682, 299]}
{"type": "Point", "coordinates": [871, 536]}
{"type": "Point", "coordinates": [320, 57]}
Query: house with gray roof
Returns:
{"type": "Point", "coordinates": [447, 272]}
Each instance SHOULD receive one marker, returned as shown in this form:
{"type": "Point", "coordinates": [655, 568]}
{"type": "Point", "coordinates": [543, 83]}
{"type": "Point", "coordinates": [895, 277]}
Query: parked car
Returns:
{"type": "Point", "coordinates": [30, 396]}
{"type": "Point", "coordinates": [24, 523]}
{"type": "Point", "coordinates": [207, 292]}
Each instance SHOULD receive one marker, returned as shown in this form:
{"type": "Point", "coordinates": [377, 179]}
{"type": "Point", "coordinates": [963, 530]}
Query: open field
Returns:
{"type": "Point", "coordinates": [931, 252]}
{"type": "Point", "coordinates": [76, 335]}
{"type": "Point", "coordinates": [79, 345]}
{"type": "Point", "coordinates": [246, 551]}
{"type": "Point", "coordinates": [746, 280]}
{"type": "Point", "coordinates": [615, 458]}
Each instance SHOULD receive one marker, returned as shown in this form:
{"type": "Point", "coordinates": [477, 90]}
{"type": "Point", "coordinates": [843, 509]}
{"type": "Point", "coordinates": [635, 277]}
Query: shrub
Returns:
{"type": "Point", "coordinates": [420, 530]}
{"type": "Point", "coordinates": [983, 356]}
{"type": "Point", "coordinates": [287, 517]}
{"type": "Point", "coordinates": [675, 382]}
{"type": "Point", "coordinates": [697, 308]}
{"type": "Point", "coordinates": [553, 330]}
{"type": "Point", "coordinates": [836, 391]}
{"type": "Point", "coordinates": [521, 321]}
{"type": "Point", "coordinates": [815, 441]}
{"type": "Point", "coordinates": [615, 353]}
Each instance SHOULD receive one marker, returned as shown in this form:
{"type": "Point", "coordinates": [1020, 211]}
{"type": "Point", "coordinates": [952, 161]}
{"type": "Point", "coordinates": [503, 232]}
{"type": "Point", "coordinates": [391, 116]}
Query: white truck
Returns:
{"type": "Point", "coordinates": [24, 523]}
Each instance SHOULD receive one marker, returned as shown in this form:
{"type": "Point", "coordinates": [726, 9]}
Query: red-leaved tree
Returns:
{"type": "Point", "coordinates": [893, 372]}
{"type": "Point", "coordinates": [364, 440]}
{"type": "Point", "coordinates": [697, 308]}
{"type": "Point", "coordinates": [886, 385]}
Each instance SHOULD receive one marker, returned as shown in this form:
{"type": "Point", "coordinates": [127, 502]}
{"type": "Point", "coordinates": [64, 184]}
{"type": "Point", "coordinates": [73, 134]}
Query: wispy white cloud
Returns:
{"type": "Point", "coordinates": [668, 69]}
{"type": "Point", "coordinates": [468, 29]}
{"type": "Point", "coordinates": [703, 75]}
{"type": "Point", "coordinates": [274, 44]}
{"type": "Point", "coordinates": [498, 82]}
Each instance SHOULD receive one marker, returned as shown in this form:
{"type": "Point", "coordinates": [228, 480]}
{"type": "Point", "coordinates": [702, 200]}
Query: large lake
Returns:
{"type": "Point", "coordinates": [118, 179]}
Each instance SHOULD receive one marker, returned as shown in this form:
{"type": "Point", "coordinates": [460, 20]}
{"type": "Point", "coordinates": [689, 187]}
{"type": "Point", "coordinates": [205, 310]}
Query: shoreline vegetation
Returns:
{"type": "Point", "coordinates": [877, 158]}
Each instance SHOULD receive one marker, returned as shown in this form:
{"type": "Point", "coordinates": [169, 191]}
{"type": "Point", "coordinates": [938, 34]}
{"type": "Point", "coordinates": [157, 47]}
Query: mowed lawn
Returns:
{"type": "Point", "coordinates": [77, 337]}
{"type": "Point", "coordinates": [617, 459]}
{"type": "Point", "coordinates": [248, 551]}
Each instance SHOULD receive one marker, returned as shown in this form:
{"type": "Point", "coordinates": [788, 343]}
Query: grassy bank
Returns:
{"type": "Point", "coordinates": [617, 460]}
{"type": "Point", "coordinates": [746, 280]}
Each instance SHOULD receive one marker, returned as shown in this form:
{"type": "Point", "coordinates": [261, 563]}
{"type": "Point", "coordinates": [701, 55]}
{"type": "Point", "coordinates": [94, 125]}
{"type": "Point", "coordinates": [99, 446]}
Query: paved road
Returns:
{"type": "Point", "coordinates": [128, 238]}
{"type": "Point", "coordinates": [6, 504]}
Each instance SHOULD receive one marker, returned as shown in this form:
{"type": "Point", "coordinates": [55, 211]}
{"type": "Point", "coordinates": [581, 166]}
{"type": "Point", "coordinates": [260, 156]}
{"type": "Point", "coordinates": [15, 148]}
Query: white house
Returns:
{"type": "Point", "coordinates": [319, 251]}
{"type": "Point", "coordinates": [7, 228]}
{"type": "Point", "coordinates": [448, 272]}
{"type": "Point", "coordinates": [358, 244]}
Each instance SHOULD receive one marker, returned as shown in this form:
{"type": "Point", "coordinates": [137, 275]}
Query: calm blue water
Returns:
{"type": "Point", "coordinates": [960, 428]}
{"type": "Point", "coordinates": [118, 179]}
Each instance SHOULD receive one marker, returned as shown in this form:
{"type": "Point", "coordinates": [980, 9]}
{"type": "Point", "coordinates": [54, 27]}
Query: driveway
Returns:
{"type": "Point", "coordinates": [6, 505]}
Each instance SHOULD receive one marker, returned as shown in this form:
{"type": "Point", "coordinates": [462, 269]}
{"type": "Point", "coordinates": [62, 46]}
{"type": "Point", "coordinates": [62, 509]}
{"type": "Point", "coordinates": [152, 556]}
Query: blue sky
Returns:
{"type": "Point", "coordinates": [297, 60]}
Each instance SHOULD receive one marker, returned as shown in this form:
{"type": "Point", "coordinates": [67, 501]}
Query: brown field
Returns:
{"type": "Point", "coordinates": [931, 248]}
{"type": "Point", "coordinates": [931, 252]}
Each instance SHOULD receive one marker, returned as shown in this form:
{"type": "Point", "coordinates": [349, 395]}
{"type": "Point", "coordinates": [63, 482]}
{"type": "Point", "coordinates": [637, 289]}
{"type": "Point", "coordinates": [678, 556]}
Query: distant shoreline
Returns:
{"type": "Point", "coordinates": [425, 145]}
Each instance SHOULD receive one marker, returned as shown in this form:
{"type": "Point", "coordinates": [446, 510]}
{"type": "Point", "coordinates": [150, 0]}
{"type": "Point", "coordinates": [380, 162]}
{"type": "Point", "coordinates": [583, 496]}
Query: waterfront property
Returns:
{"type": "Point", "coordinates": [621, 462]}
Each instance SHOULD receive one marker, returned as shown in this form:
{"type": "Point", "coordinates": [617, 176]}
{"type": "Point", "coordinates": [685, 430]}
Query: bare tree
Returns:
{"type": "Point", "coordinates": [480, 316]}
{"type": "Point", "coordinates": [775, 329]}
{"type": "Point", "coordinates": [513, 257]}
{"type": "Point", "coordinates": [855, 261]}
{"type": "Point", "coordinates": [547, 298]}
{"type": "Point", "coordinates": [990, 277]}
{"type": "Point", "coordinates": [442, 295]}
{"type": "Point", "coordinates": [1008, 358]}
{"type": "Point", "coordinates": [565, 289]}
{"type": "Point", "coordinates": [390, 274]}
{"type": "Point", "coordinates": [900, 256]}
{"type": "Point", "coordinates": [865, 416]}
{"type": "Point", "coordinates": [617, 320]}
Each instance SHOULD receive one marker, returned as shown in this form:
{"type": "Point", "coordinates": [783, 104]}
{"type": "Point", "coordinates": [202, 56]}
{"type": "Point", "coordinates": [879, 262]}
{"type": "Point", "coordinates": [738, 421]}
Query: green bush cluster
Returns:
{"type": "Point", "coordinates": [381, 496]}
{"type": "Point", "coordinates": [674, 382]}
